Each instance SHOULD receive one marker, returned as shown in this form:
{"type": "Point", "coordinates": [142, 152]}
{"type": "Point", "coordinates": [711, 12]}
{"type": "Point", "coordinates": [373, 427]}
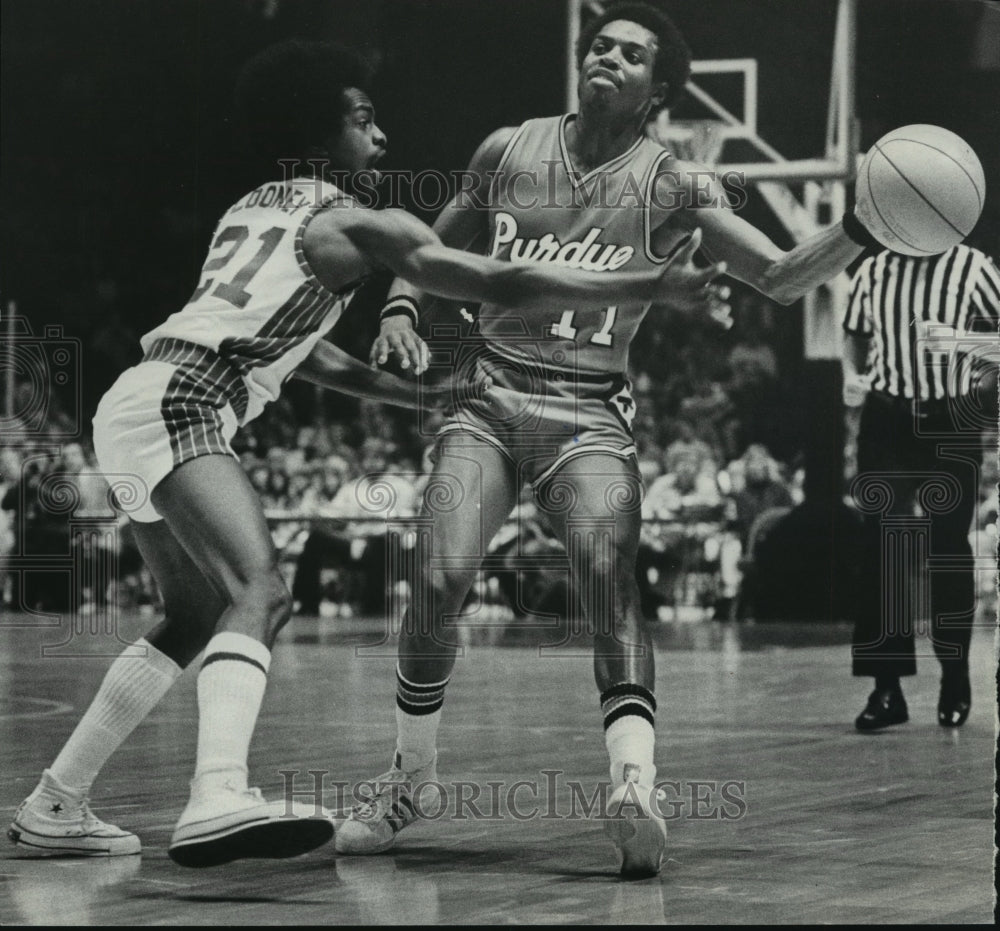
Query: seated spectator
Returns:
{"type": "Point", "coordinates": [299, 484]}
{"type": "Point", "coordinates": [336, 443]}
{"type": "Point", "coordinates": [761, 490]}
{"type": "Point", "coordinates": [357, 548]}
{"type": "Point", "coordinates": [688, 489]}
{"type": "Point", "coordinates": [327, 545]}
{"type": "Point", "coordinates": [48, 495]}
{"type": "Point", "coordinates": [275, 497]}
{"type": "Point", "coordinates": [327, 480]}
{"type": "Point", "coordinates": [704, 411]}
{"type": "Point", "coordinates": [650, 469]}
{"type": "Point", "coordinates": [259, 474]}
{"type": "Point", "coordinates": [682, 506]}
{"type": "Point", "coordinates": [377, 494]}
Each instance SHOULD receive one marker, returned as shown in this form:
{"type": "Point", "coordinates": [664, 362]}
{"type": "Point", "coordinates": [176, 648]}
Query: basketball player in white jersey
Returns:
{"type": "Point", "coordinates": [587, 189]}
{"type": "Point", "coordinates": [283, 262]}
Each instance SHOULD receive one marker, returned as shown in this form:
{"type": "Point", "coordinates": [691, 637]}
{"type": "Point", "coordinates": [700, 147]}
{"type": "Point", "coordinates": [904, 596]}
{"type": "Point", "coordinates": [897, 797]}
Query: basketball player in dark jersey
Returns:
{"type": "Point", "coordinates": [282, 265]}
{"type": "Point", "coordinates": [588, 190]}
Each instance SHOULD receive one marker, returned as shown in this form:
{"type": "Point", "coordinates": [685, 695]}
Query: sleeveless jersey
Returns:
{"type": "Point", "coordinates": [258, 304]}
{"type": "Point", "coordinates": [543, 210]}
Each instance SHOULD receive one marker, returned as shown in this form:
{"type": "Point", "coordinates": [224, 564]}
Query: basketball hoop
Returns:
{"type": "Point", "coordinates": [698, 141]}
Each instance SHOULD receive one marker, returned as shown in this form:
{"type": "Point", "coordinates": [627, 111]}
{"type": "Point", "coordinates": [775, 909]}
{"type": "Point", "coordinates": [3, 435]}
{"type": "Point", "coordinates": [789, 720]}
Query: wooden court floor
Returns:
{"type": "Point", "coordinates": [779, 811]}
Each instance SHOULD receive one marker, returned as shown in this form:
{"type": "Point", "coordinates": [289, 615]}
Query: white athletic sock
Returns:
{"type": "Point", "coordinates": [231, 687]}
{"type": "Point", "coordinates": [629, 712]}
{"type": "Point", "coordinates": [418, 714]}
{"type": "Point", "coordinates": [131, 688]}
{"type": "Point", "coordinates": [631, 742]}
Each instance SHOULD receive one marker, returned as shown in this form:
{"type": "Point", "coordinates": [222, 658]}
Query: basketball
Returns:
{"type": "Point", "coordinates": [920, 190]}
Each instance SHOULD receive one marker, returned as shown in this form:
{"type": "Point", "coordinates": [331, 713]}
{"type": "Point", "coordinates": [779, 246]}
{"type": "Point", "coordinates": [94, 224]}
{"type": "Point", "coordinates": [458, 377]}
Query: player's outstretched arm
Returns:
{"type": "Point", "coordinates": [750, 255]}
{"type": "Point", "coordinates": [411, 250]}
{"type": "Point", "coordinates": [331, 367]}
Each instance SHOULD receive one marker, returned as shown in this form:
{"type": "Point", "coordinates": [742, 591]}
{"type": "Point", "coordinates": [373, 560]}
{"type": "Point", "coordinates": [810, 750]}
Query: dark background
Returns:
{"type": "Point", "coordinates": [118, 154]}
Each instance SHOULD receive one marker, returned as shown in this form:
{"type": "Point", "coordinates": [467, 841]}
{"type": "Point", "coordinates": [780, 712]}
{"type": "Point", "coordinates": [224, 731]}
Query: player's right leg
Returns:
{"type": "Point", "coordinates": [469, 496]}
{"type": "Point", "coordinates": [593, 504]}
{"type": "Point", "coordinates": [215, 515]}
{"type": "Point", "coordinates": [55, 819]}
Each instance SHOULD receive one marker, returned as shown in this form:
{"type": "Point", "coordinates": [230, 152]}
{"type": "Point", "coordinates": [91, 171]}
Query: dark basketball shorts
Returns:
{"type": "Point", "coordinates": [539, 418]}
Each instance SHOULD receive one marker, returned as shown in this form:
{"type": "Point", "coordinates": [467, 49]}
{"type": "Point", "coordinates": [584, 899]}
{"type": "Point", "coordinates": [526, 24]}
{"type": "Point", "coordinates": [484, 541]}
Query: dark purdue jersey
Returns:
{"type": "Point", "coordinates": [542, 210]}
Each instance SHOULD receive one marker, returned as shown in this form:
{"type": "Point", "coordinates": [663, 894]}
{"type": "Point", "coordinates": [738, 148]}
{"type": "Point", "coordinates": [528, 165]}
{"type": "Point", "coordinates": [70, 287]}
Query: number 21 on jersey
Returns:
{"type": "Point", "coordinates": [564, 329]}
{"type": "Point", "coordinates": [234, 291]}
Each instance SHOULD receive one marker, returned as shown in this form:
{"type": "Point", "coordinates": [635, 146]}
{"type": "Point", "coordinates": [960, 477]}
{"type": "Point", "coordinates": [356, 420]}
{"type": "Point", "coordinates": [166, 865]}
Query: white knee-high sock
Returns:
{"type": "Point", "coordinates": [418, 714]}
{"type": "Point", "coordinates": [629, 733]}
{"type": "Point", "coordinates": [132, 687]}
{"type": "Point", "coordinates": [231, 687]}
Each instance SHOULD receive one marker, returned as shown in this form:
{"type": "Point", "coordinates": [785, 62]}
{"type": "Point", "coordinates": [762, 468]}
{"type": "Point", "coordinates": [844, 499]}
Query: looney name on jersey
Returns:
{"type": "Point", "coordinates": [279, 196]}
{"type": "Point", "coordinates": [587, 253]}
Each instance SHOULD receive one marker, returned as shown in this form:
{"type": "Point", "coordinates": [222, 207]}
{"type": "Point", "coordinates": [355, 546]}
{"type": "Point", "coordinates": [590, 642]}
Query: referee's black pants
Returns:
{"type": "Point", "coordinates": [905, 459]}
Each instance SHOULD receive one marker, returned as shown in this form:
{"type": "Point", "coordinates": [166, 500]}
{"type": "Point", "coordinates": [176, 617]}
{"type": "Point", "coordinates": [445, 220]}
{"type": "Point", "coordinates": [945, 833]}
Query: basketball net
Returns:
{"type": "Point", "coordinates": [698, 141]}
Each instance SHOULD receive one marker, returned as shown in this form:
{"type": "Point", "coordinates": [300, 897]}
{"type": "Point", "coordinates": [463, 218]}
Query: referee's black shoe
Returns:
{"type": "Point", "coordinates": [954, 701]}
{"type": "Point", "coordinates": [885, 707]}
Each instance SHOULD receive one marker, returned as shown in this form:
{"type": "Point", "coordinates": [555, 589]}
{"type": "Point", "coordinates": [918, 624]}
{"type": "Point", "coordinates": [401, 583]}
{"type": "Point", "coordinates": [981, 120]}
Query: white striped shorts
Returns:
{"type": "Point", "coordinates": [179, 403]}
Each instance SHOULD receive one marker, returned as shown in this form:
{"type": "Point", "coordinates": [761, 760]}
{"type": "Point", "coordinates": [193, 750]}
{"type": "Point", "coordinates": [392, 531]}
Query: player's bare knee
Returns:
{"type": "Point", "coordinates": [448, 589]}
{"type": "Point", "coordinates": [262, 604]}
{"type": "Point", "coordinates": [610, 567]}
{"type": "Point", "coordinates": [279, 603]}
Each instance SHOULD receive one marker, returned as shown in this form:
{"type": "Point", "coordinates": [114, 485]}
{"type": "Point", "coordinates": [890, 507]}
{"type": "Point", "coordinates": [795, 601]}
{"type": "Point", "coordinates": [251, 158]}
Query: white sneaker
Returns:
{"type": "Point", "coordinates": [372, 826]}
{"type": "Point", "coordinates": [637, 829]}
{"type": "Point", "coordinates": [231, 822]}
{"type": "Point", "coordinates": [56, 821]}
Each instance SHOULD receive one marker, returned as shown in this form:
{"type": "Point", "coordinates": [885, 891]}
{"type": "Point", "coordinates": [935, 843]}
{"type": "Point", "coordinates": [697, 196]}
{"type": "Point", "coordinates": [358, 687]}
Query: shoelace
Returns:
{"type": "Point", "coordinates": [378, 804]}
{"type": "Point", "coordinates": [89, 821]}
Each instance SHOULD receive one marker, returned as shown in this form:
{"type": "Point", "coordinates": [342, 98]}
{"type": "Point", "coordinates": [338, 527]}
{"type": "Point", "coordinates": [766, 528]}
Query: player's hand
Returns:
{"type": "Point", "coordinates": [398, 338]}
{"type": "Point", "coordinates": [856, 388]}
{"type": "Point", "coordinates": [684, 286]}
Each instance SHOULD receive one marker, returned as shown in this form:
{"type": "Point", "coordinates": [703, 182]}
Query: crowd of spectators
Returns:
{"type": "Point", "coordinates": [717, 434]}
{"type": "Point", "coordinates": [47, 491]}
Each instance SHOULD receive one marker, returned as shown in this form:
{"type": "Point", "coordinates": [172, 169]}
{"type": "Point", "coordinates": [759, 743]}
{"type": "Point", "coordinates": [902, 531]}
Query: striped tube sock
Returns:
{"type": "Point", "coordinates": [629, 732]}
{"type": "Point", "coordinates": [418, 713]}
{"type": "Point", "coordinates": [231, 687]}
{"type": "Point", "coordinates": [132, 686]}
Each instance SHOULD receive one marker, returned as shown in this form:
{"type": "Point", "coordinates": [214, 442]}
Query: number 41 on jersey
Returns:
{"type": "Point", "coordinates": [564, 329]}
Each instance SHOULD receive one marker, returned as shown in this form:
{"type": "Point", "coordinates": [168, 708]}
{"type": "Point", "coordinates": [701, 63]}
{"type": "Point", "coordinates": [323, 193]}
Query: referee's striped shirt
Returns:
{"type": "Point", "coordinates": [959, 288]}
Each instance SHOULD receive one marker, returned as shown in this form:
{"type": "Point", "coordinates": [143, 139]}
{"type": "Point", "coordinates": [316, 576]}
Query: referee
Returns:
{"type": "Point", "coordinates": [914, 327]}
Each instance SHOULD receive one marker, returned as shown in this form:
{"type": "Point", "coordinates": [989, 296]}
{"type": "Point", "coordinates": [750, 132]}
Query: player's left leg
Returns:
{"type": "Point", "coordinates": [470, 494]}
{"type": "Point", "coordinates": [55, 819]}
{"type": "Point", "coordinates": [215, 515]}
{"type": "Point", "coordinates": [593, 502]}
